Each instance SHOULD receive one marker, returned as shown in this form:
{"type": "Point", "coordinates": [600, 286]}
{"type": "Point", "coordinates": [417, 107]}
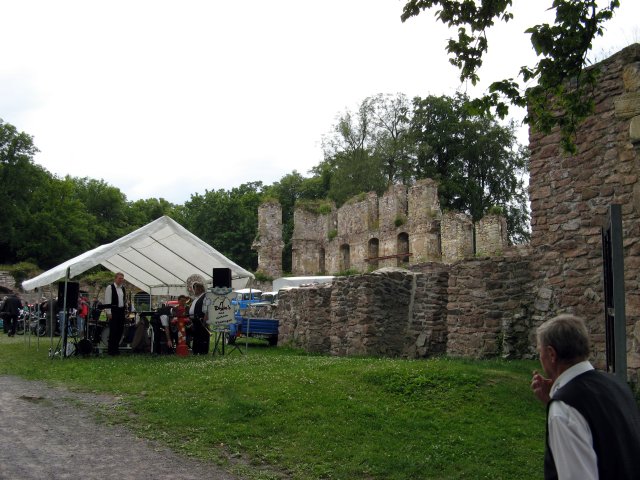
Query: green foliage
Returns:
{"type": "Point", "coordinates": [495, 210]}
{"type": "Point", "coordinates": [333, 233]}
{"type": "Point", "coordinates": [348, 273]}
{"type": "Point", "coordinates": [562, 96]}
{"type": "Point", "coordinates": [286, 414]}
{"type": "Point", "coordinates": [316, 206]}
{"type": "Point", "coordinates": [227, 220]}
{"type": "Point", "coordinates": [262, 277]}
{"type": "Point", "coordinates": [476, 161]}
{"type": "Point", "coordinates": [399, 221]}
{"type": "Point", "coordinates": [21, 271]}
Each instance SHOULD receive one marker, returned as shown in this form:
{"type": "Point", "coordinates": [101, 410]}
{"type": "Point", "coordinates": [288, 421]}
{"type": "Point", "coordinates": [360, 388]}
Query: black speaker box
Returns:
{"type": "Point", "coordinates": [221, 277]}
{"type": "Point", "coordinates": [73, 290]}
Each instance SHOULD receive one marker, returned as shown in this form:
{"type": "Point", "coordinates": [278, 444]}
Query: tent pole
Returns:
{"type": "Point", "coordinates": [64, 316]}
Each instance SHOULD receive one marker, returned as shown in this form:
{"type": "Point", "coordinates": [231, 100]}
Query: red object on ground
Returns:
{"type": "Point", "coordinates": [182, 349]}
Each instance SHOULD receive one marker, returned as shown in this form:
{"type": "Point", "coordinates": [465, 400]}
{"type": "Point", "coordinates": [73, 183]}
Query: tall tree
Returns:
{"type": "Point", "coordinates": [227, 220]}
{"type": "Point", "coordinates": [350, 157]}
{"type": "Point", "coordinates": [390, 118]}
{"type": "Point", "coordinates": [563, 46]}
{"type": "Point", "coordinates": [55, 225]}
{"type": "Point", "coordinates": [19, 176]}
{"type": "Point", "coordinates": [108, 206]}
{"type": "Point", "coordinates": [476, 161]}
{"type": "Point", "coordinates": [144, 211]}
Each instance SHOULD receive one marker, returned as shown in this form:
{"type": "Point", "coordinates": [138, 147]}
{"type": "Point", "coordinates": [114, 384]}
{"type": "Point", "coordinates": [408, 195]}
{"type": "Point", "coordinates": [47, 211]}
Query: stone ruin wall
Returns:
{"type": "Point", "coordinates": [269, 243]}
{"type": "Point", "coordinates": [570, 196]}
{"type": "Point", "coordinates": [391, 312]}
{"type": "Point", "coordinates": [477, 309]}
{"type": "Point", "coordinates": [403, 227]}
{"type": "Point", "coordinates": [491, 306]}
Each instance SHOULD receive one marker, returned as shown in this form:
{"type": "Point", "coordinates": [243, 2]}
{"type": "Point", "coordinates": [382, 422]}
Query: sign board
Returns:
{"type": "Point", "coordinates": [219, 309]}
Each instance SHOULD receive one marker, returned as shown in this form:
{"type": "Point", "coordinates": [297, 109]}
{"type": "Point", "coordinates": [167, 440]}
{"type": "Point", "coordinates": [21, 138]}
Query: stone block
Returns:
{"type": "Point", "coordinates": [627, 105]}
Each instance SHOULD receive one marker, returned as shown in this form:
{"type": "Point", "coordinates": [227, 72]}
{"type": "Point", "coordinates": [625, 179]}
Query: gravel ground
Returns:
{"type": "Point", "coordinates": [51, 433]}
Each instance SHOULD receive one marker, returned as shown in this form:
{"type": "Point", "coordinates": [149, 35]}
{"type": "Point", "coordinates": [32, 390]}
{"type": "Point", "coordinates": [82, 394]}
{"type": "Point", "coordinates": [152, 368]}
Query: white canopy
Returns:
{"type": "Point", "coordinates": [157, 258]}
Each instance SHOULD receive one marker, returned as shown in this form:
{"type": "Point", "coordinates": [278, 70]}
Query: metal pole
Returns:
{"type": "Point", "coordinates": [620, 319]}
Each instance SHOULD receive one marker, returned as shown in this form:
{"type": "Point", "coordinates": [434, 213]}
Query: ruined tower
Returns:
{"type": "Point", "coordinates": [268, 242]}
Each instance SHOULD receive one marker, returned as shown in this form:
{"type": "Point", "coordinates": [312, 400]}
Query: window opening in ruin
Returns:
{"type": "Point", "coordinates": [403, 249]}
{"type": "Point", "coordinates": [345, 257]}
{"type": "Point", "coordinates": [374, 253]}
{"type": "Point", "coordinates": [321, 261]}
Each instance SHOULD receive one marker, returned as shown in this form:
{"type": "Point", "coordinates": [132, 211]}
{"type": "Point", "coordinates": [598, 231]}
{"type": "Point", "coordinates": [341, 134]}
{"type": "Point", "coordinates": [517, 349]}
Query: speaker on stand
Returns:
{"type": "Point", "coordinates": [66, 303]}
{"type": "Point", "coordinates": [221, 277]}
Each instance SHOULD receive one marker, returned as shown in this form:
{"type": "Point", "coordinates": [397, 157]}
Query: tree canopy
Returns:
{"type": "Point", "coordinates": [562, 94]}
{"type": "Point", "coordinates": [476, 161]}
{"type": "Point", "coordinates": [388, 140]}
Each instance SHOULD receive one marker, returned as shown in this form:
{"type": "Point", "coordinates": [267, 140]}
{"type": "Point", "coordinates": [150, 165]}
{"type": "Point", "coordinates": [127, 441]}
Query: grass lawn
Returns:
{"type": "Point", "coordinates": [280, 413]}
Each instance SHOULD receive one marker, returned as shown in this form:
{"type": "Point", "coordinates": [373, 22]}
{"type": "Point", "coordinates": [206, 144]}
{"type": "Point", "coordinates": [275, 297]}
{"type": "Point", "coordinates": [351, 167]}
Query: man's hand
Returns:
{"type": "Point", "coordinates": [541, 387]}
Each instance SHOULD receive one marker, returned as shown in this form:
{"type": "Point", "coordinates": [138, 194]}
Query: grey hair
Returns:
{"type": "Point", "coordinates": [568, 335]}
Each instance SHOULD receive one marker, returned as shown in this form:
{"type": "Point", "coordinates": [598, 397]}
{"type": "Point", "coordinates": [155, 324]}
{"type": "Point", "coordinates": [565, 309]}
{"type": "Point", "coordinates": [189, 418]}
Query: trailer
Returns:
{"type": "Point", "coordinates": [256, 327]}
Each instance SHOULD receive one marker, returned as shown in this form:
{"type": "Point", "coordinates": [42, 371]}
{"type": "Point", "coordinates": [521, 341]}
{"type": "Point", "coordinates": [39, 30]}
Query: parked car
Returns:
{"type": "Point", "coordinates": [245, 297]}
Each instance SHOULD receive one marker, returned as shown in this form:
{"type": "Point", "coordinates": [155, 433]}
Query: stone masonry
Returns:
{"type": "Point", "coordinates": [403, 227]}
{"type": "Point", "coordinates": [490, 304]}
{"type": "Point", "coordinates": [269, 242]}
{"type": "Point", "coordinates": [570, 196]}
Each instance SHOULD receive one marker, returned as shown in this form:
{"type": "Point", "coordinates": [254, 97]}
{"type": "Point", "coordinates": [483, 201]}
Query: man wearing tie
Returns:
{"type": "Point", "coordinates": [114, 297]}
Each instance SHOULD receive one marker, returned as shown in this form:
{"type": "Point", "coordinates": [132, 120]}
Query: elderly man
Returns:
{"type": "Point", "coordinates": [593, 422]}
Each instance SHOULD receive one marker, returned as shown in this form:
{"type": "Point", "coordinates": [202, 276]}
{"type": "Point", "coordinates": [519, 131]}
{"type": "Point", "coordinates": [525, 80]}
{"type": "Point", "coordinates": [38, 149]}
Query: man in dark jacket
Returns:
{"type": "Point", "coordinates": [11, 310]}
{"type": "Point", "coordinates": [593, 421]}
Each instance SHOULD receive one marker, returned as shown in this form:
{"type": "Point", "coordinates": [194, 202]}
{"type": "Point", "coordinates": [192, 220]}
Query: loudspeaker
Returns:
{"type": "Point", "coordinates": [73, 290]}
{"type": "Point", "coordinates": [221, 277]}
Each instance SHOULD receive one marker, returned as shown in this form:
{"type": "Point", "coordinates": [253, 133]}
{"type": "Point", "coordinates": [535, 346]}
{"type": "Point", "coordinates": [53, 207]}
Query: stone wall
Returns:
{"type": "Point", "coordinates": [7, 281]}
{"type": "Point", "coordinates": [390, 312]}
{"type": "Point", "coordinates": [493, 305]}
{"type": "Point", "coordinates": [305, 318]}
{"type": "Point", "coordinates": [570, 196]}
{"type": "Point", "coordinates": [491, 235]}
{"type": "Point", "coordinates": [457, 237]}
{"type": "Point", "coordinates": [269, 243]}
{"type": "Point", "coordinates": [489, 308]}
{"type": "Point", "coordinates": [403, 227]}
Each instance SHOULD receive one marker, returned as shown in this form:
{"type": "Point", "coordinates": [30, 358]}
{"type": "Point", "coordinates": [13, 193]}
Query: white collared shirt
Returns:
{"type": "Point", "coordinates": [570, 437]}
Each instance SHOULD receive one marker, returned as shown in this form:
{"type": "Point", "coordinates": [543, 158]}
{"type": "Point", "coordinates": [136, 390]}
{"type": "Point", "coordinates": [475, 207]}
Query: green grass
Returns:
{"type": "Point", "coordinates": [279, 413]}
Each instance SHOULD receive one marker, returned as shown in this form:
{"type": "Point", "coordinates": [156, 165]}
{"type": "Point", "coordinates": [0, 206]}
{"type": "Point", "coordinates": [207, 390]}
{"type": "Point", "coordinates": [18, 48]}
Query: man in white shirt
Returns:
{"type": "Point", "coordinates": [114, 297]}
{"type": "Point", "coordinates": [593, 422]}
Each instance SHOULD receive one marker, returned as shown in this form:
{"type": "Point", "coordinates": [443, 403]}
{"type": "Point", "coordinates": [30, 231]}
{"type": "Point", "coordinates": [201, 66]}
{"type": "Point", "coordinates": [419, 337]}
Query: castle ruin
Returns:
{"type": "Point", "coordinates": [489, 304]}
{"type": "Point", "coordinates": [403, 227]}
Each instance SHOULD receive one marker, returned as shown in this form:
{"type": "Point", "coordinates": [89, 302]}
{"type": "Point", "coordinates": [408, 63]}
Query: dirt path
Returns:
{"type": "Point", "coordinates": [51, 433]}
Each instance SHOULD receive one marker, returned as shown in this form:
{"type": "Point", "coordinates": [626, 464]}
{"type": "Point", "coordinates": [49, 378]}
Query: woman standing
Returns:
{"type": "Point", "coordinates": [201, 335]}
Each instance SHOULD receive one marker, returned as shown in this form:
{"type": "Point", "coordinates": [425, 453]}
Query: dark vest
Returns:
{"type": "Point", "coordinates": [114, 296]}
{"type": "Point", "coordinates": [612, 413]}
{"type": "Point", "coordinates": [197, 309]}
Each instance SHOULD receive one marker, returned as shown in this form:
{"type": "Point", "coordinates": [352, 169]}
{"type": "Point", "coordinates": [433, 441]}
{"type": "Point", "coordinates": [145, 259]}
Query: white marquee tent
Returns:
{"type": "Point", "coordinates": [157, 258]}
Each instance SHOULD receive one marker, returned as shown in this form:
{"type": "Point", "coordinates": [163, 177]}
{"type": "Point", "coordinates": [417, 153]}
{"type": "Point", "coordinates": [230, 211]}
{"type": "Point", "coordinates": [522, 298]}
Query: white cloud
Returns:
{"type": "Point", "coordinates": [167, 98]}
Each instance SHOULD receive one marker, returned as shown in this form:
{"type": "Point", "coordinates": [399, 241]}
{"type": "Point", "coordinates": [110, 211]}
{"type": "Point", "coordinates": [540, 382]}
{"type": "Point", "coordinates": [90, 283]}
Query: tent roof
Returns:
{"type": "Point", "coordinates": [157, 258]}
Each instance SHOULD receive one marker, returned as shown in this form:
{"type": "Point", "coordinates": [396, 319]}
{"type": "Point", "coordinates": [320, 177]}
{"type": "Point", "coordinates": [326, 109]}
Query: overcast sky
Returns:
{"type": "Point", "coordinates": [170, 98]}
